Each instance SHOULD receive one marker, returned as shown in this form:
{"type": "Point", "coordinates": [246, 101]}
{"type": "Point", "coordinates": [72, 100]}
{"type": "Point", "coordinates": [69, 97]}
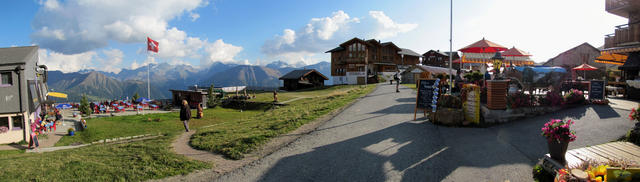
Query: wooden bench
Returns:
{"type": "Point", "coordinates": [614, 151]}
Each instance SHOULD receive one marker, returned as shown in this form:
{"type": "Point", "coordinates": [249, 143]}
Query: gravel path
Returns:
{"type": "Point", "coordinates": [376, 140]}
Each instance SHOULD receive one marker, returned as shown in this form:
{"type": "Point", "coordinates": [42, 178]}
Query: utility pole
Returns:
{"type": "Point", "coordinates": [450, 45]}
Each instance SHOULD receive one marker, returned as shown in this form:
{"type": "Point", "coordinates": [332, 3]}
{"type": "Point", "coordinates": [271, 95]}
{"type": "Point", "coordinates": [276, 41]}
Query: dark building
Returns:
{"type": "Point", "coordinates": [439, 59]}
{"type": "Point", "coordinates": [300, 79]}
{"type": "Point", "coordinates": [195, 95]}
{"type": "Point", "coordinates": [23, 89]}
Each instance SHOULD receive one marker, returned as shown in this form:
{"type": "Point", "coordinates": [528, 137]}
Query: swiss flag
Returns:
{"type": "Point", "coordinates": [152, 45]}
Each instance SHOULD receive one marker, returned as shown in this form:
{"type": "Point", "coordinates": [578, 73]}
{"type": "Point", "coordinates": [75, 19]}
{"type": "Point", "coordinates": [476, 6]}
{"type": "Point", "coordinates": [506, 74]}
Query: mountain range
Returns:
{"type": "Point", "coordinates": [99, 85]}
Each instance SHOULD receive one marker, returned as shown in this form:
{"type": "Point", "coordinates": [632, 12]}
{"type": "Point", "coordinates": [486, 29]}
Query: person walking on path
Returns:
{"type": "Point", "coordinates": [33, 142]}
{"type": "Point", "coordinates": [397, 78]}
{"type": "Point", "coordinates": [185, 114]}
{"type": "Point", "coordinates": [199, 111]}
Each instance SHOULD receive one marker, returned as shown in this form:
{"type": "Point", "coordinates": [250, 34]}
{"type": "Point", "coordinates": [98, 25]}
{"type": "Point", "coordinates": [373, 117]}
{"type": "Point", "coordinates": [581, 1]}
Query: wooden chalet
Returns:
{"type": "Point", "coordinates": [356, 61]}
{"type": "Point", "coordinates": [439, 59]}
{"type": "Point", "coordinates": [625, 43]}
{"type": "Point", "coordinates": [581, 54]}
{"type": "Point", "coordinates": [300, 79]}
{"type": "Point", "coordinates": [408, 58]}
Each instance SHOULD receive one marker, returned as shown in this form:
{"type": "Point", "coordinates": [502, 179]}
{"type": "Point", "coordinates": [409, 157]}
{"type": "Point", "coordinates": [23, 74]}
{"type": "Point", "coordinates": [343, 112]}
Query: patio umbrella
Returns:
{"type": "Point", "coordinates": [64, 106]}
{"type": "Point", "coordinates": [57, 94]}
{"type": "Point", "coordinates": [585, 67]}
{"type": "Point", "coordinates": [482, 46]}
{"type": "Point", "coordinates": [611, 58]}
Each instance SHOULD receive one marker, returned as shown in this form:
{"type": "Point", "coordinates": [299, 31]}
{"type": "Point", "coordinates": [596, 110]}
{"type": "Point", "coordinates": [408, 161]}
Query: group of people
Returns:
{"type": "Point", "coordinates": [185, 114]}
{"type": "Point", "coordinates": [46, 121]}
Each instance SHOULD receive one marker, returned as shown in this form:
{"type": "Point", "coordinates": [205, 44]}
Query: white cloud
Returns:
{"type": "Point", "coordinates": [94, 23]}
{"type": "Point", "coordinates": [387, 28]}
{"type": "Point", "coordinates": [113, 58]}
{"type": "Point", "coordinates": [219, 51]}
{"type": "Point", "coordinates": [322, 34]}
{"type": "Point", "coordinates": [51, 4]}
{"type": "Point", "coordinates": [66, 63]}
{"type": "Point", "coordinates": [194, 16]}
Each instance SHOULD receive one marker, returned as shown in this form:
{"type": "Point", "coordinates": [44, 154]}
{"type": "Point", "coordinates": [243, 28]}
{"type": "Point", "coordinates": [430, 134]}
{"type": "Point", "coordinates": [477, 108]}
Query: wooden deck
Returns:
{"type": "Point", "coordinates": [614, 151]}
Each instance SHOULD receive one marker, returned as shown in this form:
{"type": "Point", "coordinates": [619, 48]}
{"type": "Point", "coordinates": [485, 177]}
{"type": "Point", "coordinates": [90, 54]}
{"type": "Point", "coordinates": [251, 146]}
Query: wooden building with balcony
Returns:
{"type": "Point", "coordinates": [439, 59]}
{"type": "Point", "coordinates": [359, 61]}
{"type": "Point", "coordinates": [625, 41]}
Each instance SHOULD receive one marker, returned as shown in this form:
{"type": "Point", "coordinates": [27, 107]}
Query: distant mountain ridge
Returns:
{"type": "Point", "coordinates": [99, 85]}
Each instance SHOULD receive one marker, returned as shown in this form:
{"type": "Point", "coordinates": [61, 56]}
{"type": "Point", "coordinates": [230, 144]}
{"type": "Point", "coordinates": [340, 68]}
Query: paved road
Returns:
{"type": "Point", "coordinates": [376, 140]}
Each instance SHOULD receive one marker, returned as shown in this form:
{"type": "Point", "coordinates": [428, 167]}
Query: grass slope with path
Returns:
{"type": "Point", "coordinates": [226, 131]}
{"type": "Point", "coordinates": [234, 138]}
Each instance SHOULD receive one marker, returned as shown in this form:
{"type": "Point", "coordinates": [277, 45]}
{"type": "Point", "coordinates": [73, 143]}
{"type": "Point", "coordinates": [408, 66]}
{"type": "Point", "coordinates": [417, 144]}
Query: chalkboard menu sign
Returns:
{"type": "Point", "coordinates": [596, 90]}
{"type": "Point", "coordinates": [427, 96]}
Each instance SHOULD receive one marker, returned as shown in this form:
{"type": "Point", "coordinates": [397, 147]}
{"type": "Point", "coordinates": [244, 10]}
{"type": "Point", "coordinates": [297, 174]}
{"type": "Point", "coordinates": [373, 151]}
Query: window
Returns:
{"type": "Point", "coordinates": [6, 79]}
{"type": "Point", "coordinates": [4, 122]}
{"type": "Point", "coordinates": [17, 122]}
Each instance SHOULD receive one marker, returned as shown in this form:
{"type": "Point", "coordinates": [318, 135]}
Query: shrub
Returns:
{"type": "Point", "coordinates": [551, 99]}
{"type": "Point", "coordinates": [474, 77]}
{"type": "Point", "coordinates": [449, 101]}
{"type": "Point", "coordinates": [520, 99]}
{"type": "Point", "coordinates": [574, 97]}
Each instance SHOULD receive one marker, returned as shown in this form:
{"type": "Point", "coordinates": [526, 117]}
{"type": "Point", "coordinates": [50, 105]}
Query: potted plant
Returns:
{"type": "Point", "coordinates": [71, 131]}
{"type": "Point", "coordinates": [558, 134]}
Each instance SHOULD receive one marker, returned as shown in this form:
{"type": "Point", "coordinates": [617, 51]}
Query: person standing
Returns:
{"type": "Point", "coordinates": [185, 114]}
{"type": "Point", "coordinates": [199, 111]}
{"type": "Point", "coordinates": [33, 142]}
{"type": "Point", "coordinates": [397, 78]}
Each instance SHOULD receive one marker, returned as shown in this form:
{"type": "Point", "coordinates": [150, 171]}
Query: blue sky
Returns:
{"type": "Point", "coordinates": [110, 35]}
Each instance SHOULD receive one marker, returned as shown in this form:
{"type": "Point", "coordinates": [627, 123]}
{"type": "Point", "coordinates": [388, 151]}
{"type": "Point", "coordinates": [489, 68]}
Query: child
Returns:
{"type": "Point", "coordinates": [33, 137]}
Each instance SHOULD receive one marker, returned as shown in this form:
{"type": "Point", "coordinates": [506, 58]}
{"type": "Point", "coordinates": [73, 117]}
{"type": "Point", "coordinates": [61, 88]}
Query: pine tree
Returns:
{"type": "Point", "coordinates": [211, 98]}
{"type": "Point", "coordinates": [84, 105]}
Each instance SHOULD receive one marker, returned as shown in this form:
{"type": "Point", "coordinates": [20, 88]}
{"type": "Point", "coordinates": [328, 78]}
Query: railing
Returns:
{"type": "Point", "coordinates": [615, 4]}
{"type": "Point", "coordinates": [624, 35]}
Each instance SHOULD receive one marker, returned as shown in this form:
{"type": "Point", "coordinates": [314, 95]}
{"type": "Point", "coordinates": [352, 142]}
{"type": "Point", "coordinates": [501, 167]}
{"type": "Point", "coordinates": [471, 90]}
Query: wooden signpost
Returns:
{"type": "Point", "coordinates": [427, 96]}
{"type": "Point", "coordinates": [596, 90]}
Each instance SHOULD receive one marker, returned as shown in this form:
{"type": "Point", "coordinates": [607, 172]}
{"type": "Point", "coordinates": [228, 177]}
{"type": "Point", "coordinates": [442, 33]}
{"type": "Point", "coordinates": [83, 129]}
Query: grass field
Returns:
{"type": "Point", "coordinates": [234, 138]}
{"type": "Point", "coordinates": [136, 161]}
{"type": "Point", "coordinates": [226, 131]}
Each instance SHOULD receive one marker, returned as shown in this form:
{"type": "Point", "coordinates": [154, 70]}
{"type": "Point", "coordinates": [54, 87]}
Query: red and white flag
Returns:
{"type": "Point", "coordinates": [152, 45]}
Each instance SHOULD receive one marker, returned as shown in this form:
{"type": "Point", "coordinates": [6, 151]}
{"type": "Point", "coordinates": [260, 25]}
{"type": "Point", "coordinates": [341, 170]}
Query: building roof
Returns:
{"type": "Point", "coordinates": [408, 52]}
{"type": "Point", "coordinates": [337, 49]}
{"type": "Point", "coordinates": [551, 61]}
{"type": "Point", "coordinates": [355, 39]}
{"type": "Point", "coordinates": [390, 43]}
{"type": "Point", "coordinates": [13, 55]}
{"type": "Point", "coordinates": [483, 46]}
{"type": "Point", "coordinates": [515, 52]}
{"type": "Point", "coordinates": [432, 69]}
{"type": "Point", "coordinates": [297, 74]}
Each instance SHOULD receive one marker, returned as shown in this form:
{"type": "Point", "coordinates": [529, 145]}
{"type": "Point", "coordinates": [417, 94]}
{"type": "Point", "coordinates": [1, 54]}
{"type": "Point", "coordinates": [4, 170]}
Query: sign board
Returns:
{"type": "Point", "coordinates": [427, 96]}
{"type": "Point", "coordinates": [596, 90]}
{"type": "Point", "coordinates": [471, 104]}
